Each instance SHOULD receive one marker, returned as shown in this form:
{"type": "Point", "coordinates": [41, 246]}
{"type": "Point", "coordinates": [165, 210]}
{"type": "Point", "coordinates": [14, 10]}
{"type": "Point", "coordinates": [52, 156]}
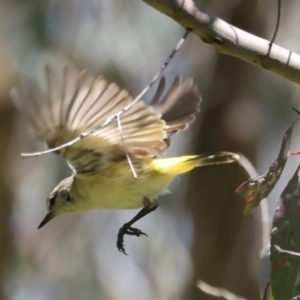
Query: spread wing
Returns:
{"type": "Point", "coordinates": [78, 102]}
{"type": "Point", "coordinates": [178, 107]}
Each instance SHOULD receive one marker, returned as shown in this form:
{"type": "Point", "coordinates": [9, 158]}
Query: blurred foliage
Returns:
{"type": "Point", "coordinates": [285, 268]}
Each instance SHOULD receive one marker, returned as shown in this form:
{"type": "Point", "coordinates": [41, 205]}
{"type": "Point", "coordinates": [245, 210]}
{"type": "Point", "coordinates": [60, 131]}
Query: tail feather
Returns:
{"type": "Point", "coordinates": [217, 159]}
{"type": "Point", "coordinates": [178, 165]}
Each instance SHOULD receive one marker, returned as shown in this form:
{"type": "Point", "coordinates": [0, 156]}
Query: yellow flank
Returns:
{"type": "Point", "coordinates": [116, 188]}
{"type": "Point", "coordinates": [176, 165]}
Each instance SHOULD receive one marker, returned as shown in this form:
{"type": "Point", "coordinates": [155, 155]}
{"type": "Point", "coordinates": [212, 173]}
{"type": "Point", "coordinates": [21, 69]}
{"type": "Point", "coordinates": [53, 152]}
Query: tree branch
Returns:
{"type": "Point", "coordinates": [230, 40]}
{"type": "Point", "coordinates": [217, 292]}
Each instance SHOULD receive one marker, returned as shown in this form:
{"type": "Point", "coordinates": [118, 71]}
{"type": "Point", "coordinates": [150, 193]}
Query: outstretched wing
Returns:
{"type": "Point", "coordinates": [178, 107]}
{"type": "Point", "coordinates": [79, 101]}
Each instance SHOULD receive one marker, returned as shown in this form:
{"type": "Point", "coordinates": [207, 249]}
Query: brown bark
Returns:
{"type": "Point", "coordinates": [6, 186]}
{"type": "Point", "coordinates": [7, 110]}
{"type": "Point", "coordinates": [227, 245]}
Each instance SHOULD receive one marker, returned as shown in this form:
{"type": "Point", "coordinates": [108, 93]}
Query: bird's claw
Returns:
{"type": "Point", "coordinates": [130, 231]}
{"type": "Point", "coordinates": [135, 231]}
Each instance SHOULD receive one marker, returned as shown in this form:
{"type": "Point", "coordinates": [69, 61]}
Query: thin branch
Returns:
{"type": "Point", "coordinates": [145, 90]}
{"type": "Point", "coordinates": [296, 110]}
{"type": "Point", "coordinates": [115, 116]}
{"type": "Point", "coordinates": [125, 149]}
{"type": "Point", "coordinates": [230, 40]}
{"type": "Point", "coordinates": [277, 23]}
{"type": "Point", "coordinates": [281, 251]}
{"type": "Point", "coordinates": [217, 292]}
{"type": "Point", "coordinates": [266, 291]}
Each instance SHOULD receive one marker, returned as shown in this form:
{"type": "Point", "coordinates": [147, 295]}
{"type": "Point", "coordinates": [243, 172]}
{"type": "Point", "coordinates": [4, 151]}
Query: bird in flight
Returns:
{"type": "Point", "coordinates": [75, 103]}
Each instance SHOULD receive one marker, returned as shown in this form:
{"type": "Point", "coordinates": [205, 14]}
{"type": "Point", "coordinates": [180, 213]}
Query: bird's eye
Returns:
{"type": "Point", "coordinates": [52, 201]}
{"type": "Point", "coordinates": [68, 199]}
{"type": "Point", "coordinates": [65, 196]}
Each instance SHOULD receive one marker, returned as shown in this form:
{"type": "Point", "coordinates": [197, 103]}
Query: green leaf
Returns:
{"type": "Point", "coordinates": [259, 187]}
{"type": "Point", "coordinates": [285, 280]}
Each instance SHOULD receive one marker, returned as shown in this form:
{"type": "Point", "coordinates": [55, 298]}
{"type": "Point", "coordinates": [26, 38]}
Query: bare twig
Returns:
{"type": "Point", "coordinates": [217, 292]}
{"type": "Point", "coordinates": [281, 251]}
{"type": "Point", "coordinates": [277, 23]}
{"type": "Point", "coordinates": [230, 40]}
{"type": "Point", "coordinates": [115, 116]}
{"type": "Point", "coordinates": [296, 110]}
{"type": "Point", "coordinates": [125, 149]}
{"type": "Point", "coordinates": [266, 291]}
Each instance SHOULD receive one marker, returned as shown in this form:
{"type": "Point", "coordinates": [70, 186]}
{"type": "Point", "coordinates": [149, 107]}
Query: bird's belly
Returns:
{"type": "Point", "coordinates": [116, 193]}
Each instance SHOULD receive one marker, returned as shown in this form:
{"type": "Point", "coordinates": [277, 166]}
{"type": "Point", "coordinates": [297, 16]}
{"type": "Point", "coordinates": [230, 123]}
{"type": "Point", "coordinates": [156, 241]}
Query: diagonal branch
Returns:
{"type": "Point", "coordinates": [118, 114]}
{"type": "Point", "coordinates": [230, 40]}
{"type": "Point", "coordinates": [277, 23]}
{"type": "Point", "coordinates": [291, 253]}
{"type": "Point", "coordinates": [217, 292]}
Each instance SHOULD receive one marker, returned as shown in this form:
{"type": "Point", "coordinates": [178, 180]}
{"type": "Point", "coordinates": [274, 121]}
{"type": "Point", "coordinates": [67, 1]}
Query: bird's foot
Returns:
{"type": "Point", "coordinates": [125, 229]}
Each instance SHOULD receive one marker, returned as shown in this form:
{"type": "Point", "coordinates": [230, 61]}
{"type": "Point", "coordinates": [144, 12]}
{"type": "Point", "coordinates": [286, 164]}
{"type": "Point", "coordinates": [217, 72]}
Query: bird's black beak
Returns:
{"type": "Point", "coordinates": [47, 219]}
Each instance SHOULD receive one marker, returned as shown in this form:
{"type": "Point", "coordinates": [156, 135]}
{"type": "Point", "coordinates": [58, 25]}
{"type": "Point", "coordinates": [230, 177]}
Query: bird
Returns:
{"type": "Point", "coordinates": [74, 102]}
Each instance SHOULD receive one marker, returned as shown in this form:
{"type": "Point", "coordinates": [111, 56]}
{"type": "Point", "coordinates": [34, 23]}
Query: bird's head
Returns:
{"type": "Point", "coordinates": [59, 201]}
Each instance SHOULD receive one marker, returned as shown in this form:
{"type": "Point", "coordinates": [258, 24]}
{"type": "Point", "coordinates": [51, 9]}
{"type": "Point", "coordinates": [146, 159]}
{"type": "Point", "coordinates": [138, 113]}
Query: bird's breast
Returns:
{"type": "Point", "coordinates": [117, 188]}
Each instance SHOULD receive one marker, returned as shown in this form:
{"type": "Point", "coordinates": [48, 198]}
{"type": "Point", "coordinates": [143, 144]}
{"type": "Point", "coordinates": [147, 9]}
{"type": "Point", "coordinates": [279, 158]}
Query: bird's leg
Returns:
{"type": "Point", "coordinates": [127, 229]}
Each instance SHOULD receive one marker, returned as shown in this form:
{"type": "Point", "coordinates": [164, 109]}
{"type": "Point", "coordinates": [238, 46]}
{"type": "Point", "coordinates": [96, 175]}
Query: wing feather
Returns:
{"type": "Point", "coordinates": [160, 90]}
{"type": "Point", "coordinates": [78, 102]}
{"type": "Point", "coordinates": [178, 107]}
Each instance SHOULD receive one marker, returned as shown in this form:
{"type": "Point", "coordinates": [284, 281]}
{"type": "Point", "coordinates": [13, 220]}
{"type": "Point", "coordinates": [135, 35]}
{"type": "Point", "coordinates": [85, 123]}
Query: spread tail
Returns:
{"type": "Point", "coordinates": [178, 165]}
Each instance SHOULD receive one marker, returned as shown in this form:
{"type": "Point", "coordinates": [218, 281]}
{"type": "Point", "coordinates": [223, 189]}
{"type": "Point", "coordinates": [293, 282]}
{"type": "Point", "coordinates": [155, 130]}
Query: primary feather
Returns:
{"type": "Point", "coordinates": [78, 102]}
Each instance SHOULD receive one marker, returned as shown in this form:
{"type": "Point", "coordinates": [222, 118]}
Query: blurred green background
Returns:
{"type": "Point", "coordinates": [199, 231]}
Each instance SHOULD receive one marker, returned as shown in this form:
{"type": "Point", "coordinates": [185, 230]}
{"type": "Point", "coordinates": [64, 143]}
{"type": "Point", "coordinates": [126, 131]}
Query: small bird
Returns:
{"type": "Point", "coordinates": [75, 103]}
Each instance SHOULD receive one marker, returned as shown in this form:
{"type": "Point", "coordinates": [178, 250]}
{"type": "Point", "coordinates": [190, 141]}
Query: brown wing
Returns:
{"type": "Point", "coordinates": [79, 101]}
{"type": "Point", "coordinates": [178, 107]}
